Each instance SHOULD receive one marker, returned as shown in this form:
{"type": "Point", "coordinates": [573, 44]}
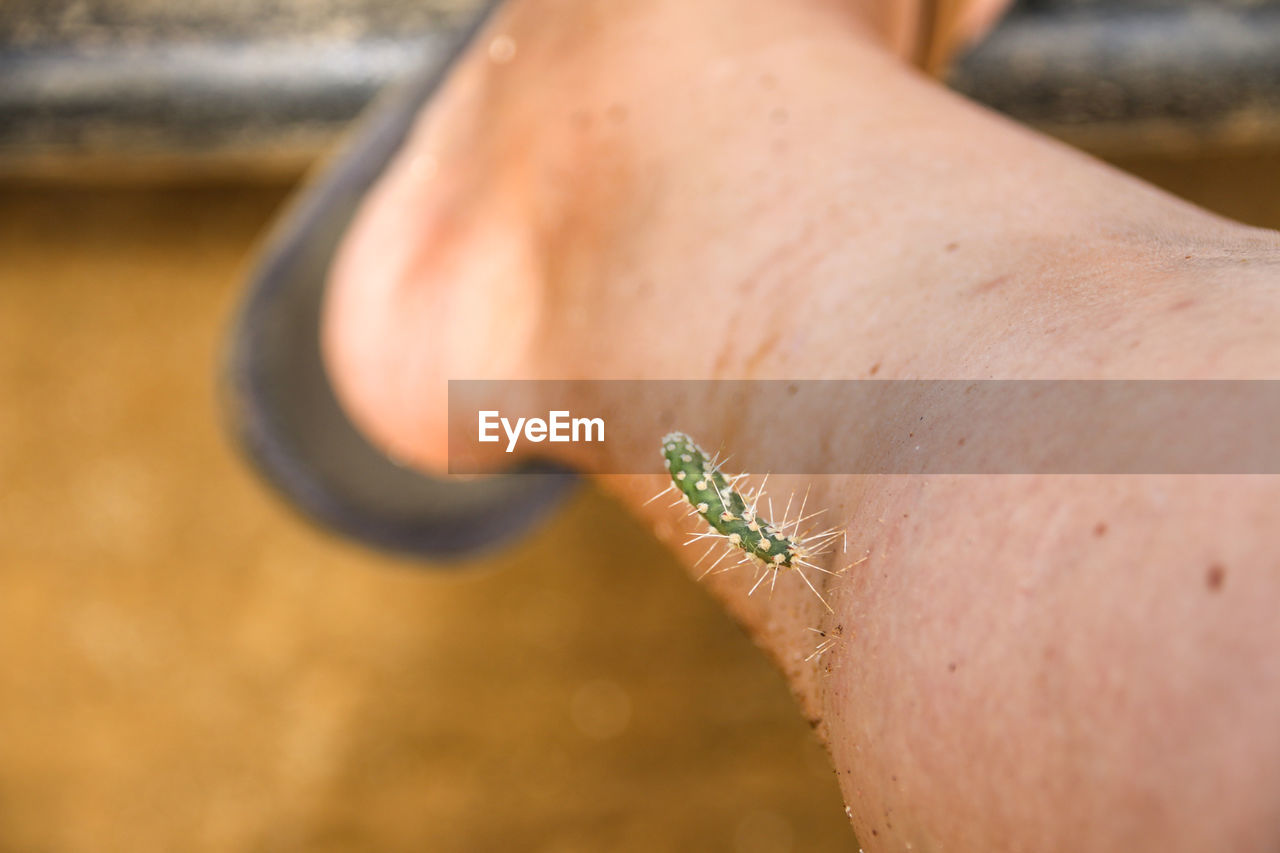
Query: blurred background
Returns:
{"type": "Point", "coordinates": [187, 665]}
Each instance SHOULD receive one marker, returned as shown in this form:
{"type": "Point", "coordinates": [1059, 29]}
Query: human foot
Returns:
{"type": "Point", "coordinates": [781, 197]}
{"type": "Point", "coordinates": [565, 190]}
{"type": "Point", "coordinates": [561, 155]}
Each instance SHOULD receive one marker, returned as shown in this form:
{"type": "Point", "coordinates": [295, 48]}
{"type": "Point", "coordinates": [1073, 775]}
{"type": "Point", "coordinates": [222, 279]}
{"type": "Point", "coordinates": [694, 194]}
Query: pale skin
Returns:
{"type": "Point", "coordinates": [1032, 663]}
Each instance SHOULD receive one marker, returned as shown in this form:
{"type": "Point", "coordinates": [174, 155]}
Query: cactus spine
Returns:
{"type": "Point", "coordinates": [714, 498]}
{"type": "Point", "coordinates": [733, 517]}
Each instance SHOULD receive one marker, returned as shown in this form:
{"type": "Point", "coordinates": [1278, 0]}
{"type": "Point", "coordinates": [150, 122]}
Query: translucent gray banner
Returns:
{"type": "Point", "coordinates": [876, 426]}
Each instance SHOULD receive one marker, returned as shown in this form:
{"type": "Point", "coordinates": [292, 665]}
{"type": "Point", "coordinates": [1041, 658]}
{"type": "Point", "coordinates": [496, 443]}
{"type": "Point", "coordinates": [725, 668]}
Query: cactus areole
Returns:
{"type": "Point", "coordinates": [714, 497]}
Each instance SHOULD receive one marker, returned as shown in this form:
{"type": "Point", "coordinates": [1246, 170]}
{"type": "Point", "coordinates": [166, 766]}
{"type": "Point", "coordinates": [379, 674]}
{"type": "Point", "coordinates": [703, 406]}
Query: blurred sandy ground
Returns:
{"type": "Point", "coordinates": [186, 666]}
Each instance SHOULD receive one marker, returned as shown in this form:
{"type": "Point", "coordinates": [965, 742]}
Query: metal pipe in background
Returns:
{"type": "Point", "coordinates": [139, 89]}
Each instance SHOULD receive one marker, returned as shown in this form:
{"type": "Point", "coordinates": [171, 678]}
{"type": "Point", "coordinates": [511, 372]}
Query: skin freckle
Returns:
{"type": "Point", "coordinates": [1215, 577]}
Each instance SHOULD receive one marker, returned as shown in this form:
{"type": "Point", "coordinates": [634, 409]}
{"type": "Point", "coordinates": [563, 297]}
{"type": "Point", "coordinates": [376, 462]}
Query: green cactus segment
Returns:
{"type": "Point", "coordinates": [714, 498]}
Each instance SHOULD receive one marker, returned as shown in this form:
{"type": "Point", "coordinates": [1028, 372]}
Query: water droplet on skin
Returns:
{"type": "Point", "coordinates": [502, 49]}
